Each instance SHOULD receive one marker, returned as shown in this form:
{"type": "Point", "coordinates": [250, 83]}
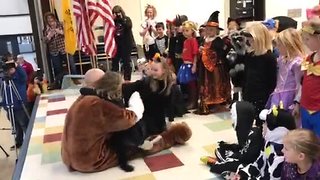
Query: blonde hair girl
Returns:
{"type": "Point", "coordinates": [291, 40]}
{"type": "Point", "coordinates": [289, 43]}
{"type": "Point", "coordinates": [261, 40]}
{"type": "Point", "coordinates": [260, 67]}
{"type": "Point", "coordinates": [301, 152]}
{"type": "Point", "coordinates": [150, 12]}
{"type": "Point", "coordinates": [189, 25]}
{"type": "Point", "coordinates": [161, 71]}
{"type": "Point", "coordinates": [187, 71]}
{"type": "Point", "coordinates": [148, 32]}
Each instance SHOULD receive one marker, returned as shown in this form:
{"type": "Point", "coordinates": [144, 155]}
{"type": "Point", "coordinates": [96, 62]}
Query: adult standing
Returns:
{"type": "Point", "coordinates": [20, 117]}
{"type": "Point", "coordinates": [26, 66]}
{"type": "Point", "coordinates": [124, 40]}
{"type": "Point", "coordinates": [54, 37]}
{"type": "Point", "coordinates": [149, 32]}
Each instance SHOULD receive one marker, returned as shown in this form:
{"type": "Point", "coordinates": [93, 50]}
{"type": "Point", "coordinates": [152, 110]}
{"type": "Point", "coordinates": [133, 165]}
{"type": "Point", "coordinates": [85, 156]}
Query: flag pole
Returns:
{"type": "Point", "coordinates": [80, 63]}
{"type": "Point", "coordinates": [68, 63]}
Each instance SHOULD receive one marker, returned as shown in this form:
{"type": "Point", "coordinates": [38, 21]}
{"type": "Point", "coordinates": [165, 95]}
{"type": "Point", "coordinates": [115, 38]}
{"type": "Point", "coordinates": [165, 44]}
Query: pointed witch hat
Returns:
{"type": "Point", "coordinates": [213, 20]}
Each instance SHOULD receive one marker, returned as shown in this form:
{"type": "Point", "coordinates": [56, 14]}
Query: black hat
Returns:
{"type": "Point", "coordinates": [285, 22]}
{"type": "Point", "coordinates": [277, 117]}
{"type": "Point", "coordinates": [213, 20]}
{"type": "Point", "coordinates": [179, 20]}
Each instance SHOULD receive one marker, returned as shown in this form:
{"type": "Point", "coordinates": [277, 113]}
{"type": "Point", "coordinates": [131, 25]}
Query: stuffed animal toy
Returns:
{"type": "Point", "coordinates": [177, 133]}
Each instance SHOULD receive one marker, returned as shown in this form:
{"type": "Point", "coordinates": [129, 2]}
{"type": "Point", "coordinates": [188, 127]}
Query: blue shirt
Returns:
{"type": "Point", "coordinates": [19, 79]}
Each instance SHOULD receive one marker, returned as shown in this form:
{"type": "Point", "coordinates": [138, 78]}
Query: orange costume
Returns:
{"type": "Point", "coordinates": [216, 86]}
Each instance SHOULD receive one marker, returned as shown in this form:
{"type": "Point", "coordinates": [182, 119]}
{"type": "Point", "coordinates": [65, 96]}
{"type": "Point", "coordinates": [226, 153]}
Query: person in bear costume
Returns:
{"type": "Point", "coordinates": [92, 120]}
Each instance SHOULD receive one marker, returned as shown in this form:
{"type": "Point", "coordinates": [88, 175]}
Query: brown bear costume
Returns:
{"type": "Point", "coordinates": [89, 123]}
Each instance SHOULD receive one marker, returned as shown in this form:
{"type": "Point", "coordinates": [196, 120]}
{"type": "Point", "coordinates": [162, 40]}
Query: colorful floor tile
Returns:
{"type": "Point", "coordinates": [43, 159]}
{"type": "Point", "coordinates": [210, 149]}
{"type": "Point", "coordinates": [163, 161]}
{"type": "Point", "coordinates": [55, 112]}
{"type": "Point", "coordinates": [51, 153]}
{"type": "Point", "coordinates": [219, 126]}
{"type": "Point", "coordinates": [142, 177]}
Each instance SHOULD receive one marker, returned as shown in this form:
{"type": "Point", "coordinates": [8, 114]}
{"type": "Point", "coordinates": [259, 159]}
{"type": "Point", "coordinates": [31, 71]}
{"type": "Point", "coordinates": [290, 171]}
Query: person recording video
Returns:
{"type": "Point", "coordinates": [54, 38]}
{"type": "Point", "coordinates": [124, 40]}
{"type": "Point", "coordinates": [15, 74]}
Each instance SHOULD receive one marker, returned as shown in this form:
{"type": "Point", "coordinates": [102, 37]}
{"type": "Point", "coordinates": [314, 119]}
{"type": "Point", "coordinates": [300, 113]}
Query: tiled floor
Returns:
{"type": "Point", "coordinates": [7, 164]}
{"type": "Point", "coordinates": [43, 160]}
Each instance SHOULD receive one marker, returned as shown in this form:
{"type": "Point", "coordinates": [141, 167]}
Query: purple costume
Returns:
{"type": "Point", "coordinates": [288, 82]}
{"type": "Point", "coordinates": [290, 171]}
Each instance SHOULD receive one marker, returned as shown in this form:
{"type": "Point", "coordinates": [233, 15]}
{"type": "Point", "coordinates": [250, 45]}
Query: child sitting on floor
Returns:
{"type": "Point", "coordinates": [278, 123]}
{"type": "Point", "coordinates": [250, 142]}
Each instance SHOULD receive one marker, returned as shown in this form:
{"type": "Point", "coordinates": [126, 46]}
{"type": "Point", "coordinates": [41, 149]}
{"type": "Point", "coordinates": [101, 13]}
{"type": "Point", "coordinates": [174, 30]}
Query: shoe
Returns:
{"type": "Point", "coordinates": [208, 160]}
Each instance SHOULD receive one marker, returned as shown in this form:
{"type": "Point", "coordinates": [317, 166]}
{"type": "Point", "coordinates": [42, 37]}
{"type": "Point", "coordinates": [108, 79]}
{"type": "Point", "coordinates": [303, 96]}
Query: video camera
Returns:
{"type": "Point", "coordinates": [5, 66]}
{"type": "Point", "coordinates": [6, 63]}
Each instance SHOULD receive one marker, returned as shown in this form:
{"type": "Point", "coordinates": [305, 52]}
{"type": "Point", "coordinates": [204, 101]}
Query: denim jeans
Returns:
{"type": "Point", "coordinates": [57, 64]}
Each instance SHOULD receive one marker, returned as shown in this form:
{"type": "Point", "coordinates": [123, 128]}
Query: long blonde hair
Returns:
{"type": "Point", "coordinates": [304, 141]}
{"type": "Point", "coordinates": [167, 77]}
{"type": "Point", "coordinates": [292, 41]}
{"type": "Point", "coordinates": [262, 40]}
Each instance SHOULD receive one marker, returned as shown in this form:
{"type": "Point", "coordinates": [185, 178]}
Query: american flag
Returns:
{"type": "Point", "coordinates": [86, 40]}
{"type": "Point", "coordinates": [104, 10]}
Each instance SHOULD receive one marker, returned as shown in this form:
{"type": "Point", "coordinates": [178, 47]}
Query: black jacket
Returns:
{"type": "Point", "coordinates": [156, 104]}
{"type": "Point", "coordinates": [260, 77]}
{"type": "Point", "coordinates": [123, 34]}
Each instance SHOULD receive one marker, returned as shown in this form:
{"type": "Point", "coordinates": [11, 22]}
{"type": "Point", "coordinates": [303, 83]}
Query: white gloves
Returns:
{"type": "Point", "coordinates": [136, 105]}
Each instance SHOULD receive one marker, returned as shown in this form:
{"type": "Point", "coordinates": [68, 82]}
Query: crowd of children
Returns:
{"type": "Point", "coordinates": [268, 66]}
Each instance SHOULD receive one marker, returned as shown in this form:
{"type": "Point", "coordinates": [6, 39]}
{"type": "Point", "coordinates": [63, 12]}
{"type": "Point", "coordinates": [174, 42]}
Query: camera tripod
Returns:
{"type": "Point", "coordinates": [8, 90]}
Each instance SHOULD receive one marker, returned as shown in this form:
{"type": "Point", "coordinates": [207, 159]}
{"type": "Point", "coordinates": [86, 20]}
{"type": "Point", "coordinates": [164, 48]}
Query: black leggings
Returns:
{"type": "Point", "coordinates": [125, 57]}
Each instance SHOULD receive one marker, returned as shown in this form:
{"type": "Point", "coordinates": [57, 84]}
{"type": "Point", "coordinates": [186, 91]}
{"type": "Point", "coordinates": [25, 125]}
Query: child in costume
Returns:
{"type": "Point", "coordinates": [149, 32]}
{"type": "Point", "coordinates": [187, 71]}
{"type": "Point", "coordinates": [36, 86]}
{"type": "Point", "coordinates": [301, 153]}
{"type": "Point", "coordinates": [250, 142]}
{"type": "Point", "coordinates": [215, 81]}
{"type": "Point", "coordinates": [161, 39]}
{"type": "Point", "coordinates": [260, 67]}
{"type": "Point", "coordinates": [155, 91]}
{"type": "Point", "coordinates": [236, 66]}
{"type": "Point", "coordinates": [310, 94]}
{"type": "Point", "coordinates": [176, 42]}
{"type": "Point", "coordinates": [269, 164]}
{"type": "Point", "coordinates": [290, 46]}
